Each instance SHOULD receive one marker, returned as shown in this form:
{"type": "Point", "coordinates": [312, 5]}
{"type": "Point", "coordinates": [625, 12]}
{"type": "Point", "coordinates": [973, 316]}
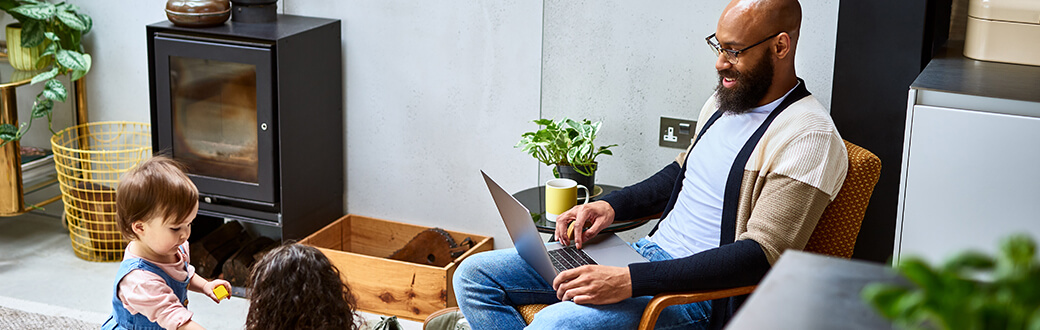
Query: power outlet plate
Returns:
{"type": "Point", "coordinates": [676, 133]}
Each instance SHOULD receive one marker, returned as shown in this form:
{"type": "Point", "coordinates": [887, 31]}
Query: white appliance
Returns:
{"type": "Point", "coordinates": [1003, 31]}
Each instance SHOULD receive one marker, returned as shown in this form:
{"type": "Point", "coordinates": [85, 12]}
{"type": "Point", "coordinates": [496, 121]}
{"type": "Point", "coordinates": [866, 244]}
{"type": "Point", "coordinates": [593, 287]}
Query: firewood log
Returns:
{"type": "Point", "coordinates": [236, 268]}
{"type": "Point", "coordinates": [208, 255]}
{"type": "Point", "coordinates": [433, 247]}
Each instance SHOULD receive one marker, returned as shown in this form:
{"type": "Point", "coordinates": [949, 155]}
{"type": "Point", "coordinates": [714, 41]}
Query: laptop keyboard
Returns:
{"type": "Point", "coordinates": [569, 257]}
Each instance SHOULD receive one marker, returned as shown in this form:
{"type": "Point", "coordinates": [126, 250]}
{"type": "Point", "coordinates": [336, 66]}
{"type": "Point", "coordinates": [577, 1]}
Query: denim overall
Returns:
{"type": "Point", "coordinates": [121, 318]}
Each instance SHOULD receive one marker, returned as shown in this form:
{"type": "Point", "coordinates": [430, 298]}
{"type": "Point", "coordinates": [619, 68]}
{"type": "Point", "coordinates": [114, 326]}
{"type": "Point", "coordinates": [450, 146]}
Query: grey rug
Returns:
{"type": "Point", "coordinates": [16, 319]}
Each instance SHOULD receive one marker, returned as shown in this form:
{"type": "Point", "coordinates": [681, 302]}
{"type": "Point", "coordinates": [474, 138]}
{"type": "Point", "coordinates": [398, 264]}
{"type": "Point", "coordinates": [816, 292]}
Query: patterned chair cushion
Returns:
{"type": "Point", "coordinates": [839, 225]}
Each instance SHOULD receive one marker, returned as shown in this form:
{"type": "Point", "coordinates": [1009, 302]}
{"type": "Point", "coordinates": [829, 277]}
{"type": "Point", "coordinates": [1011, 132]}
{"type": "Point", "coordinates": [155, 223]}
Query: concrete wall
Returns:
{"type": "Point", "coordinates": [630, 62]}
{"type": "Point", "coordinates": [437, 90]}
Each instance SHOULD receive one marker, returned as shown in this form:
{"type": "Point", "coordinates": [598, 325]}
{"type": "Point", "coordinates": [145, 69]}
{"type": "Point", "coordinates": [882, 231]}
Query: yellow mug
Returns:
{"type": "Point", "coordinates": [561, 195]}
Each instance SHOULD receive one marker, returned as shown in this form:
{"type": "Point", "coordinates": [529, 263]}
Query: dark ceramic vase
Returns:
{"type": "Point", "coordinates": [254, 11]}
{"type": "Point", "coordinates": [568, 172]}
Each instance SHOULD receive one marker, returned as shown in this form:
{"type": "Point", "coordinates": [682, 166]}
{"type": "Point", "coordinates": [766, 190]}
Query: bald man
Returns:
{"type": "Point", "coordinates": [766, 162]}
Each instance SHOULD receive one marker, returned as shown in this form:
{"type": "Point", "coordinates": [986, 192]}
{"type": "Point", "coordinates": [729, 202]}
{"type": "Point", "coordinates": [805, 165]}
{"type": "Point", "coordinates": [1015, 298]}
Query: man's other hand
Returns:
{"type": "Point", "coordinates": [594, 285]}
{"type": "Point", "coordinates": [599, 214]}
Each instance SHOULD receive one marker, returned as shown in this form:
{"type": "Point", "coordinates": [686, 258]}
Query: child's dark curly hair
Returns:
{"type": "Point", "coordinates": [295, 286]}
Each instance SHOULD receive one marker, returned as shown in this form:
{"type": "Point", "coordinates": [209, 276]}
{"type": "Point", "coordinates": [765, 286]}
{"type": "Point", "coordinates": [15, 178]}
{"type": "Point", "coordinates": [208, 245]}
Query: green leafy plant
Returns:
{"type": "Point", "coordinates": [972, 290]}
{"type": "Point", "coordinates": [62, 27]}
{"type": "Point", "coordinates": [566, 142]}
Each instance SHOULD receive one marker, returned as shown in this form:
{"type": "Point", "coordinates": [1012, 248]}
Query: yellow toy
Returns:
{"type": "Point", "coordinates": [220, 292]}
{"type": "Point", "coordinates": [570, 230]}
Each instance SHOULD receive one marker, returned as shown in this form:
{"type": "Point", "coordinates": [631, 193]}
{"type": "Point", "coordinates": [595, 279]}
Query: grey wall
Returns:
{"type": "Point", "coordinates": [629, 62]}
{"type": "Point", "coordinates": [436, 90]}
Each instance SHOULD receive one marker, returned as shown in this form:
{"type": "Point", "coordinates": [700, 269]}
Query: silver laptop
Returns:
{"type": "Point", "coordinates": [549, 260]}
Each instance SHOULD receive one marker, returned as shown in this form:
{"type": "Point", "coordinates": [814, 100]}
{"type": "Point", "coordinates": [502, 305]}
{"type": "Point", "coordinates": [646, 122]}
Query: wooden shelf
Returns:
{"type": "Point", "coordinates": [13, 188]}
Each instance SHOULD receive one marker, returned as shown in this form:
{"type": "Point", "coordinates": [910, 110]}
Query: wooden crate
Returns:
{"type": "Point", "coordinates": [359, 247]}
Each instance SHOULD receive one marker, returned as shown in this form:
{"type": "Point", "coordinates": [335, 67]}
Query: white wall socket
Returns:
{"type": "Point", "coordinates": [670, 137]}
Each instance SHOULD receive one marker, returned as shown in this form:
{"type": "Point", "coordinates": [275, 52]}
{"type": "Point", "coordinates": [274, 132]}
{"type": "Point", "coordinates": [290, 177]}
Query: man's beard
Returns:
{"type": "Point", "coordinates": [751, 87]}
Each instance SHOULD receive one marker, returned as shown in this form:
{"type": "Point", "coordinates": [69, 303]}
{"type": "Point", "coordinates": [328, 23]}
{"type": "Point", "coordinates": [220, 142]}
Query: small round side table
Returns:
{"type": "Point", "coordinates": [534, 200]}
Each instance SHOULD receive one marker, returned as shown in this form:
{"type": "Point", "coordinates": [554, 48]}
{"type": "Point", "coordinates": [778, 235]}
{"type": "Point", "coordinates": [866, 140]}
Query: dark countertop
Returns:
{"type": "Point", "coordinates": [811, 291]}
{"type": "Point", "coordinates": [951, 72]}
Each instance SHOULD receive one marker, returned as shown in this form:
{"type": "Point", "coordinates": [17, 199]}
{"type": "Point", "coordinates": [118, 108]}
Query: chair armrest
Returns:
{"type": "Point", "coordinates": [660, 301]}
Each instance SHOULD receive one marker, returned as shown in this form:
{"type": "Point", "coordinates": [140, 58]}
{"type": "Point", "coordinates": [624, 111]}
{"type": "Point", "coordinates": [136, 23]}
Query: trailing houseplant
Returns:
{"type": "Point", "coordinates": [61, 28]}
{"type": "Point", "coordinates": [568, 144]}
{"type": "Point", "coordinates": [972, 290]}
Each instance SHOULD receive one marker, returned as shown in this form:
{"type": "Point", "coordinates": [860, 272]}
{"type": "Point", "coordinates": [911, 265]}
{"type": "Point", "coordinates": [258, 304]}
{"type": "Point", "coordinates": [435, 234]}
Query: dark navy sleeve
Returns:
{"type": "Point", "coordinates": [646, 198]}
{"type": "Point", "coordinates": [732, 265]}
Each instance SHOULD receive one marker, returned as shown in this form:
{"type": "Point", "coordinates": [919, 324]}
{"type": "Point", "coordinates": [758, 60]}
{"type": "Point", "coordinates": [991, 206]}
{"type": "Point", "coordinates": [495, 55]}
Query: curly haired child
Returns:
{"type": "Point", "coordinates": [155, 206]}
{"type": "Point", "coordinates": [295, 286]}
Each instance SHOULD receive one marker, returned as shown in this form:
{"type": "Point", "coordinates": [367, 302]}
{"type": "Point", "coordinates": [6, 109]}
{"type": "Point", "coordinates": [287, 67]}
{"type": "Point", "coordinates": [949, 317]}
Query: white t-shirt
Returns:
{"type": "Point", "coordinates": [695, 222]}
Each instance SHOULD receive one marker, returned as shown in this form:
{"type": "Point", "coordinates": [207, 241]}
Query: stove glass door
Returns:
{"type": "Point", "coordinates": [215, 113]}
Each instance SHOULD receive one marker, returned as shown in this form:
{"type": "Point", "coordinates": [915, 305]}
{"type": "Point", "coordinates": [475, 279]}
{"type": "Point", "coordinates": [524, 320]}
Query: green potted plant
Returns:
{"type": "Point", "coordinates": [972, 290]}
{"type": "Point", "coordinates": [567, 144]}
{"type": "Point", "coordinates": [60, 29]}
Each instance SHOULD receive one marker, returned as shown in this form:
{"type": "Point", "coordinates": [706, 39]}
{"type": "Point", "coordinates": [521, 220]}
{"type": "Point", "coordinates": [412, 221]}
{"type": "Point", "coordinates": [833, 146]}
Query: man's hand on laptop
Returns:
{"type": "Point", "coordinates": [595, 216]}
{"type": "Point", "coordinates": [594, 285]}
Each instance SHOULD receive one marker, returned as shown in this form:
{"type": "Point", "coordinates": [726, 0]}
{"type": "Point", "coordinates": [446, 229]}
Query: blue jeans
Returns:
{"type": "Point", "coordinates": [488, 285]}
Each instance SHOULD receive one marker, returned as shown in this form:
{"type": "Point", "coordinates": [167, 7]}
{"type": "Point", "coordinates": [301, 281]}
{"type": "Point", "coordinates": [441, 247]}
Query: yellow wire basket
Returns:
{"type": "Point", "coordinates": [90, 160]}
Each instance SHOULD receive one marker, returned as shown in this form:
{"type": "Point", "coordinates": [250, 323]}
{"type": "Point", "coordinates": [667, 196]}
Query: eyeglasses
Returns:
{"type": "Point", "coordinates": [731, 55]}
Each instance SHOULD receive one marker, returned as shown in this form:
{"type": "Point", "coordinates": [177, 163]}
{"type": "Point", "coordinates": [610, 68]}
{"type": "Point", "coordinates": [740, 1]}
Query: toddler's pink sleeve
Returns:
{"type": "Point", "coordinates": [147, 293]}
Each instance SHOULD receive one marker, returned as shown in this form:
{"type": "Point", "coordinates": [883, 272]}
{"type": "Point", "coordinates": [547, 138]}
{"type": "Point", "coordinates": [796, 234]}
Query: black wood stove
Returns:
{"type": "Point", "coordinates": [255, 111]}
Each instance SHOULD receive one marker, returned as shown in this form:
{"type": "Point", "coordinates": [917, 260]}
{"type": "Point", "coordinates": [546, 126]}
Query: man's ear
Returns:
{"type": "Point", "coordinates": [782, 47]}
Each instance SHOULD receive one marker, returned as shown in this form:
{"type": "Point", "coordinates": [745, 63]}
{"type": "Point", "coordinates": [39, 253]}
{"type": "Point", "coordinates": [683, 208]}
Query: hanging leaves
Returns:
{"type": "Point", "coordinates": [60, 27]}
{"type": "Point", "coordinates": [8, 132]}
{"type": "Point", "coordinates": [36, 11]}
{"type": "Point", "coordinates": [54, 90]}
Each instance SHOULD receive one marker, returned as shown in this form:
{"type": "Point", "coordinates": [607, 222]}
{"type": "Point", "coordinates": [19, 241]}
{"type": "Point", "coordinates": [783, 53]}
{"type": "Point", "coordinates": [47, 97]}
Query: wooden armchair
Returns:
{"type": "Point", "coordinates": [835, 234]}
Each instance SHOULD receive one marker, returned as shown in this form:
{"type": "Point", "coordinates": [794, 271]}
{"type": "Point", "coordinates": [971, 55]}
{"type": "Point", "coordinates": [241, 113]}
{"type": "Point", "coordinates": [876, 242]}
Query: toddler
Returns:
{"type": "Point", "coordinates": [295, 286]}
{"type": "Point", "coordinates": [155, 205]}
